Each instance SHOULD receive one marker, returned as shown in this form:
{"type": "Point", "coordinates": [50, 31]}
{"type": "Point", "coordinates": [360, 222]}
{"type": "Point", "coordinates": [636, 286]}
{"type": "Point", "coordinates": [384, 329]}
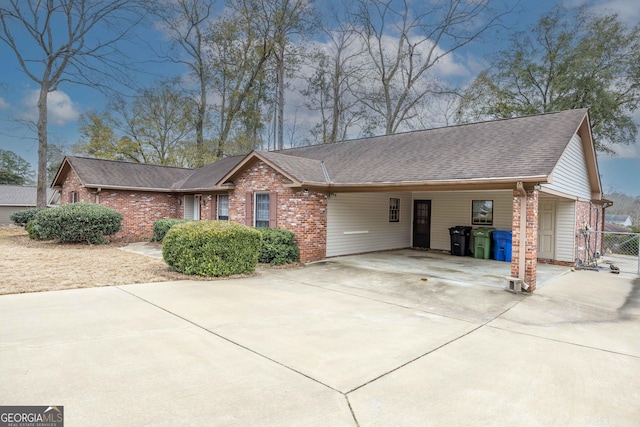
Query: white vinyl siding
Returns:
{"type": "Point", "coordinates": [570, 175]}
{"type": "Point", "coordinates": [565, 230]}
{"type": "Point", "coordinates": [7, 211]}
{"type": "Point", "coordinates": [359, 222]}
{"type": "Point", "coordinates": [449, 209]}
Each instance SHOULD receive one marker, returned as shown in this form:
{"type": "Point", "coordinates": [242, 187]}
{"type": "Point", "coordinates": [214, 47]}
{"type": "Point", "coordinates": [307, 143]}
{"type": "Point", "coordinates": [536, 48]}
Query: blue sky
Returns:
{"type": "Point", "coordinates": [18, 94]}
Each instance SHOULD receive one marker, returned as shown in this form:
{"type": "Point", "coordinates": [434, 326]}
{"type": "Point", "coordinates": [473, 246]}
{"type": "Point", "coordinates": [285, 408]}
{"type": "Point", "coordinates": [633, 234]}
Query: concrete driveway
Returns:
{"type": "Point", "coordinates": [330, 344]}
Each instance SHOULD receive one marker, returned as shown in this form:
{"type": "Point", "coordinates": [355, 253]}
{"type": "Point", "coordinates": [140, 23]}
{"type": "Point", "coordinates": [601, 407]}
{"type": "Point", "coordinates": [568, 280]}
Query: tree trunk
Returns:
{"type": "Point", "coordinates": [41, 192]}
{"type": "Point", "coordinates": [280, 101]}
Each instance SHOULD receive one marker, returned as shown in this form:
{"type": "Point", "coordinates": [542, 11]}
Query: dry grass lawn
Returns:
{"type": "Point", "coordinates": [31, 266]}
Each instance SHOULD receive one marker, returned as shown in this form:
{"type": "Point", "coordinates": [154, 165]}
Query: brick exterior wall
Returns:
{"type": "Point", "coordinates": [589, 216]}
{"type": "Point", "coordinates": [303, 214]}
{"type": "Point", "coordinates": [139, 209]}
{"type": "Point", "coordinates": [531, 242]}
{"type": "Point", "coordinates": [73, 184]}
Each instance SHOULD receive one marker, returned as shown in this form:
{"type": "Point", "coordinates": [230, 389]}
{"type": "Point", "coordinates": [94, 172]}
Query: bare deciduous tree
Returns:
{"type": "Point", "coordinates": [186, 21]}
{"type": "Point", "coordinates": [239, 49]}
{"type": "Point", "coordinates": [337, 66]}
{"type": "Point", "coordinates": [404, 44]}
{"type": "Point", "coordinates": [51, 41]}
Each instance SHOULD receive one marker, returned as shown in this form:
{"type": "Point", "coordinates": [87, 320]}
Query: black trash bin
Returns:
{"type": "Point", "coordinates": [460, 237]}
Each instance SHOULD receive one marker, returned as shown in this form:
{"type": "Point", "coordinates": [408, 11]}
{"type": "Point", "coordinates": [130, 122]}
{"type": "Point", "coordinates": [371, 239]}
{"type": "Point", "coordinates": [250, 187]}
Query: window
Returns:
{"type": "Point", "coordinates": [482, 212]}
{"type": "Point", "coordinates": [74, 197]}
{"type": "Point", "coordinates": [262, 210]}
{"type": "Point", "coordinates": [223, 207]}
{"type": "Point", "coordinates": [394, 210]}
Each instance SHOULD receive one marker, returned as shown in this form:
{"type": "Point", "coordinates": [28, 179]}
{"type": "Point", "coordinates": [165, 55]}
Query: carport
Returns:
{"type": "Point", "coordinates": [443, 268]}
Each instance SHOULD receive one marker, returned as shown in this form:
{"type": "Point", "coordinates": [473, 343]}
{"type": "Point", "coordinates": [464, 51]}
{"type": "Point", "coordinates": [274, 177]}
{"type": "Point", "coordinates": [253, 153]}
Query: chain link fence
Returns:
{"type": "Point", "coordinates": [618, 252]}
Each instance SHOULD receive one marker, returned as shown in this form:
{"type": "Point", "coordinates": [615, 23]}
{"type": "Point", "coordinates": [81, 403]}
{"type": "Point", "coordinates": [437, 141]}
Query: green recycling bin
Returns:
{"type": "Point", "coordinates": [482, 242]}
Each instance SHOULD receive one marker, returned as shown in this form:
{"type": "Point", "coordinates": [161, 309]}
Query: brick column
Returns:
{"type": "Point", "coordinates": [531, 241]}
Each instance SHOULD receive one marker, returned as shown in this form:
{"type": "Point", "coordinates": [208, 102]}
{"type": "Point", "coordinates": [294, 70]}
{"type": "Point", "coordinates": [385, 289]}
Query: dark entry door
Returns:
{"type": "Point", "coordinates": [422, 223]}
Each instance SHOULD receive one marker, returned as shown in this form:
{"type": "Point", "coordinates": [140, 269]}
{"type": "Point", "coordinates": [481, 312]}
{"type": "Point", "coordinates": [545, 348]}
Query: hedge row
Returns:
{"type": "Point", "coordinates": [76, 222]}
{"type": "Point", "coordinates": [21, 218]}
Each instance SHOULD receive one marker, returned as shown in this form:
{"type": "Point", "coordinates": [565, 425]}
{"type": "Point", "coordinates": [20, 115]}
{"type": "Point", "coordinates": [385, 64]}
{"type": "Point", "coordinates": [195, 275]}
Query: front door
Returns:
{"type": "Point", "coordinates": [547, 229]}
{"type": "Point", "coordinates": [422, 223]}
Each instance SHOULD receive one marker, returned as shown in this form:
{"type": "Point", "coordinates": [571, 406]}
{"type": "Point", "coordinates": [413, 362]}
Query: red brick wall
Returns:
{"type": "Point", "coordinates": [589, 216]}
{"type": "Point", "coordinates": [72, 183]}
{"type": "Point", "coordinates": [531, 242]}
{"type": "Point", "coordinates": [139, 209]}
{"type": "Point", "coordinates": [303, 214]}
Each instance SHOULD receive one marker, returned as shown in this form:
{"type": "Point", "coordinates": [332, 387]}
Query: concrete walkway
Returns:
{"type": "Point", "coordinates": [328, 344]}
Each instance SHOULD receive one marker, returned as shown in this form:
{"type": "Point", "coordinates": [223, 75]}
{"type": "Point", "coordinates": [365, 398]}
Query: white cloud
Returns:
{"type": "Point", "coordinates": [631, 151]}
{"type": "Point", "coordinates": [628, 10]}
{"type": "Point", "coordinates": [61, 110]}
{"type": "Point", "coordinates": [3, 104]}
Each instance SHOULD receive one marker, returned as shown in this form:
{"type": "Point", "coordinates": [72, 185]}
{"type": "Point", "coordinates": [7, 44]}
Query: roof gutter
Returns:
{"type": "Point", "coordinates": [117, 187]}
{"type": "Point", "coordinates": [523, 233]}
{"type": "Point", "coordinates": [507, 182]}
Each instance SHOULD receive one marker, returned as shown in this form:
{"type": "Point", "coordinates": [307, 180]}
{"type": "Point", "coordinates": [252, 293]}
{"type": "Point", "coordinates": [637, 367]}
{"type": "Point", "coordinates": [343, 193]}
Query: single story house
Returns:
{"type": "Point", "coordinates": [536, 176]}
{"type": "Point", "coordinates": [623, 220]}
{"type": "Point", "coordinates": [14, 198]}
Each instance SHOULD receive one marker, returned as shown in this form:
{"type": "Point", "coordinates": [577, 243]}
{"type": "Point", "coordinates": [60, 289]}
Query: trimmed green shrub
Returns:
{"type": "Point", "coordinates": [162, 226]}
{"type": "Point", "coordinates": [78, 222]}
{"type": "Point", "coordinates": [278, 247]}
{"type": "Point", "coordinates": [33, 230]}
{"type": "Point", "coordinates": [211, 248]}
{"type": "Point", "coordinates": [23, 217]}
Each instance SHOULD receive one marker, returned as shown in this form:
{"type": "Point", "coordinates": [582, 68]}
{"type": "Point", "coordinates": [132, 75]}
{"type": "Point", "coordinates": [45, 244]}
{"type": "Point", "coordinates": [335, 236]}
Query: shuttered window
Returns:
{"type": "Point", "coordinates": [223, 207]}
{"type": "Point", "coordinates": [262, 210]}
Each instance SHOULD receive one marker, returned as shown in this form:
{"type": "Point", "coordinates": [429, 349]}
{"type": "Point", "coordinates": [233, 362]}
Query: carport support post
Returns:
{"type": "Point", "coordinates": [524, 260]}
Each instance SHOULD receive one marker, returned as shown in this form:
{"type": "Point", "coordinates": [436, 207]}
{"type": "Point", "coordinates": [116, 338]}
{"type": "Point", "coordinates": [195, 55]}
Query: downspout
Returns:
{"type": "Point", "coordinates": [523, 233]}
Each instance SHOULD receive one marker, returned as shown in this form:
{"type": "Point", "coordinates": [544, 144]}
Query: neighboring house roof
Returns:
{"type": "Point", "coordinates": [615, 228]}
{"type": "Point", "coordinates": [495, 153]}
{"type": "Point", "coordinates": [618, 219]}
{"type": "Point", "coordinates": [99, 173]}
{"type": "Point", "coordinates": [16, 195]}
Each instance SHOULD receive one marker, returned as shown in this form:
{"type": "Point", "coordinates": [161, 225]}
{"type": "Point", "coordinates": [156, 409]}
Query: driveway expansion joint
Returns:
{"type": "Point", "coordinates": [231, 341]}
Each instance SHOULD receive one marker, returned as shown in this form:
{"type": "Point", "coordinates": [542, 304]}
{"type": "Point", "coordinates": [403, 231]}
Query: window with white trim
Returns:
{"type": "Point", "coordinates": [223, 207]}
{"type": "Point", "coordinates": [262, 210]}
{"type": "Point", "coordinates": [74, 197]}
{"type": "Point", "coordinates": [482, 212]}
{"type": "Point", "coordinates": [394, 210]}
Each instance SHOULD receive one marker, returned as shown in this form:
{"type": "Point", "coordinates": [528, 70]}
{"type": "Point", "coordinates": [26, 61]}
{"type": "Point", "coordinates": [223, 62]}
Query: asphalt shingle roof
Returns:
{"type": "Point", "coordinates": [16, 195]}
{"type": "Point", "coordinates": [207, 176]}
{"type": "Point", "coordinates": [109, 173]}
{"type": "Point", "coordinates": [524, 147]}
{"type": "Point", "coordinates": [519, 147]}
{"type": "Point", "coordinates": [301, 168]}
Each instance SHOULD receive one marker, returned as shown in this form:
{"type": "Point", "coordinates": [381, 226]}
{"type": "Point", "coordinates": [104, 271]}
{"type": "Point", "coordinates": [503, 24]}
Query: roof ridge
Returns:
{"type": "Point", "coordinates": [128, 162]}
{"type": "Point", "coordinates": [457, 125]}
